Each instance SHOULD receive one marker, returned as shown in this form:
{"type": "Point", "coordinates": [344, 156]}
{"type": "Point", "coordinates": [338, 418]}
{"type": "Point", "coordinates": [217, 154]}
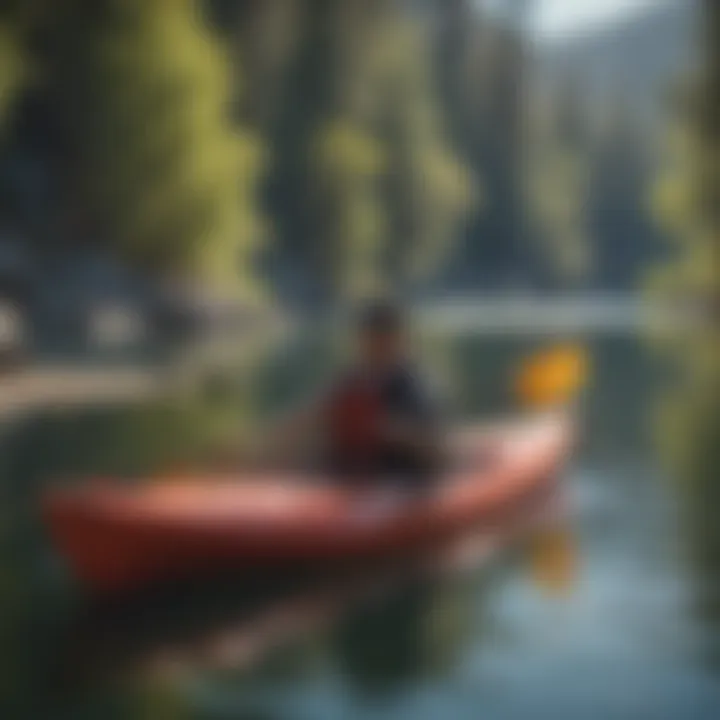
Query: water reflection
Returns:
{"type": "Point", "coordinates": [689, 434]}
{"type": "Point", "coordinates": [428, 634]}
{"type": "Point", "coordinates": [418, 633]}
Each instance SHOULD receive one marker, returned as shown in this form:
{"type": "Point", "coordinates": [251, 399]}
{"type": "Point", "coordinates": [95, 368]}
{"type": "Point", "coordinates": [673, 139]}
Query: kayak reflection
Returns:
{"type": "Point", "coordinates": [415, 609]}
{"type": "Point", "coordinates": [419, 632]}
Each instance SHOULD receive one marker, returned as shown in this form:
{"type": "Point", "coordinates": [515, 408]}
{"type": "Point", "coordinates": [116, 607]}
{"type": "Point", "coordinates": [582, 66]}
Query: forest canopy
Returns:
{"type": "Point", "coordinates": [313, 150]}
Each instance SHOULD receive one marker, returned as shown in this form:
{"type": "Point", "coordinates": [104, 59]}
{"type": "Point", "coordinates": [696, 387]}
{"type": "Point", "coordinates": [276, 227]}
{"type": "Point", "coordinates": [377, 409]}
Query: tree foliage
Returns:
{"type": "Point", "coordinates": [144, 94]}
{"type": "Point", "coordinates": [481, 70]}
{"type": "Point", "coordinates": [687, 199]}
{"type": "Point", "coordinates": [370, 143]}
{"type": "Point", "coordinates": [558, 173]}
{"type": "Point", "coordinates": [687, 195]}
{"type": "Point", "coordinates": [365, 190]}
{"type": "Point", "coordinates": [428, 191]}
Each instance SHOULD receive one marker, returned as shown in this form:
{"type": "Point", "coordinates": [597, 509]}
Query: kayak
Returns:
{"type": "Point", "coordinates": [119, 537]}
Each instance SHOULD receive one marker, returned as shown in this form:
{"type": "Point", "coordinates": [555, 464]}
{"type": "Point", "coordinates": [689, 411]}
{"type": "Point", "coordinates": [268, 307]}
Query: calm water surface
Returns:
{"type": "Point", "coordinates": [635, 638]}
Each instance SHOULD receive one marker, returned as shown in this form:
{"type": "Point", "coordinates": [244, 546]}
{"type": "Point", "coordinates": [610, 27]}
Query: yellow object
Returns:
{"type": "Point", "coordinates": [552, 377]}
{"type": "Point", "coordinates": [553, 560]}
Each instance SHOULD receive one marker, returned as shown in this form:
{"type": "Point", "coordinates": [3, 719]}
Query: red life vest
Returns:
{"type": "Point", "coordinates": [353, 419]}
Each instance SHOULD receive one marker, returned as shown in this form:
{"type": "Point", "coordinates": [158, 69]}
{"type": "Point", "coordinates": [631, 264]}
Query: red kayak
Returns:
{"type": "Point", "coordinates": [120, 537]}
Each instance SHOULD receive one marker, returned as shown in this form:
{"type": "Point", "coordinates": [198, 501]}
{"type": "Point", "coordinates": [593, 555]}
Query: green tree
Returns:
{"type": "Point", "coordinates": [365, 191]}
{"type": "Point", "coordinates": [321, 193]}
{"type": "Point", "coordinates": [262, 37]}
{"type": "Point", "coordinates": [559, 187]}
{"type": "Point", "coordinates": [687, 195]}
{"type": "Point", "coordinates": [687, 199]}
{"type": "Point", "coordinates": [625, 234]}
{"type": "Point", "coordinates": [481, 66]}
{"type": "Point", "coordinates": [144, 96]}
{"type": "Point", "coordinates": [428, 192]}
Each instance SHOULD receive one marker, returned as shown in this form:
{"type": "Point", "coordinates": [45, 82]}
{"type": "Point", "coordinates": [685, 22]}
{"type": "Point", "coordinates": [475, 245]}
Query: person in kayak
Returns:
{"type": "Point", "coordinates": [378, 419]}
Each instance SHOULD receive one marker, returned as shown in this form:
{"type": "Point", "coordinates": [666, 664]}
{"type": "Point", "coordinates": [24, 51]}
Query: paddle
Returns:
{"type": "Point", "coordinates": [553, 378]}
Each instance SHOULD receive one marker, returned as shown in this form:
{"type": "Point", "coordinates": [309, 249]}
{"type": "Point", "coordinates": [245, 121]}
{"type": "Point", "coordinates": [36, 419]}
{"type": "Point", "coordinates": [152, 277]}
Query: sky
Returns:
{"type": "Point", "coordinates": [563, 17]}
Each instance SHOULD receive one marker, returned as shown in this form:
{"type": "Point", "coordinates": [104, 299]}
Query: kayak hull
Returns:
{"type": "Point", "coordinates": [119, 538]}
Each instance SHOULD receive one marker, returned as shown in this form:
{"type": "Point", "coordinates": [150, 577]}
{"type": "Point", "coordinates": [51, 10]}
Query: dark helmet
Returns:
{"type": "Point", "coordinates": [382, 316]}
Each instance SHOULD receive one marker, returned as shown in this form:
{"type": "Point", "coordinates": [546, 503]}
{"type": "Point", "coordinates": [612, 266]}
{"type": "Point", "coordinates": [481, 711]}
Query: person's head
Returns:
{"type": "Point", "coordinates": [382, 333]}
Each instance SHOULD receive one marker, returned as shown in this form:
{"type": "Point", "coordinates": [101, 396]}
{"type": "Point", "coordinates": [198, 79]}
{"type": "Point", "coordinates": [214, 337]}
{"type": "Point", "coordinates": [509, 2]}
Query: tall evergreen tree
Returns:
{"type": "Point", "coordinates": [558, 189]}
{"type": "Point", "coordinates": [262, 36]}
{"type": "Point", "coordinates": [322, 190]}
{"type": "Point", "coordinates": [482, 66]}
{"type": "Point", "coordinates": [625, 236]}
{"type": "Point", "coordinates": [687, 195]}
{"type": "Point", "coordinates": [688, 200]}
{"type": "Point", "coordinates": [365, 190]}
{"type": "Point", "coordinates": [428, 191]}
{"type": "Point", "coordinates": [144, 97]}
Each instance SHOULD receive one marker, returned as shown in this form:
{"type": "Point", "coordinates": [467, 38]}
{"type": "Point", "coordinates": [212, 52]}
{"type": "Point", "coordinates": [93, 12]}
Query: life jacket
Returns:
{"type": "Point", "coordinates": [354, 413]}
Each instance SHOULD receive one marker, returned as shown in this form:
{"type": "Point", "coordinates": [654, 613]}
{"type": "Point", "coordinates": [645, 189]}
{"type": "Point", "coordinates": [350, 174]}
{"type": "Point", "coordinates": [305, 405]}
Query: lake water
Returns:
{"type": "Point", "coordinates": [637, 636]}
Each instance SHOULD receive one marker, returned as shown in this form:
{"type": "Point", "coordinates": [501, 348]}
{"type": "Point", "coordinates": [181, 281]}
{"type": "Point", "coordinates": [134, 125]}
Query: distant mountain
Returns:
{"type": "Point", "coordinates": [635, 58]}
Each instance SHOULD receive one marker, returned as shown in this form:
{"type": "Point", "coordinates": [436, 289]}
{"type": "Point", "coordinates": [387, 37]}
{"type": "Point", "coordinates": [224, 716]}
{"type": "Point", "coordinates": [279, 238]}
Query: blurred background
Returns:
{"type": "Point", "coordinates": [192, 193]}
